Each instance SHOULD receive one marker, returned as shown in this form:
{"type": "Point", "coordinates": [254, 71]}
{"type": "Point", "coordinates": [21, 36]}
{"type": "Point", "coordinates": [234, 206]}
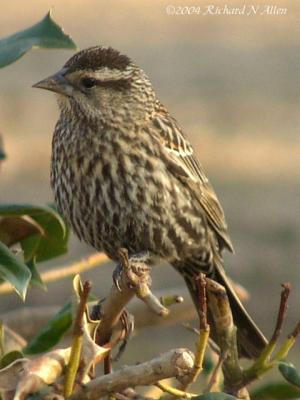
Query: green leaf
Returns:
{"type": "Point", "coordinates": [14, 229]}
{"type": "Point", "coordinates": [14, 271]}
{"type": "Point", "coordinates": [31, 210]}
{"type": "Point", "coordinates": [51, 334]}
{"type": "Point", "coordinates": [36, 279]}
{"type": "Point", "coordinates": [290, 373]}
{"type": "Point", "coordinates": [44, 246]}
{"type": "Point", "coordinates": [44, 34]}
{"type": "Point", "coordinates": [214, 396]}
{"type": "Point", "coordinates": [275, 391]}
{"type": "Point", "coordinates": [10, 357]}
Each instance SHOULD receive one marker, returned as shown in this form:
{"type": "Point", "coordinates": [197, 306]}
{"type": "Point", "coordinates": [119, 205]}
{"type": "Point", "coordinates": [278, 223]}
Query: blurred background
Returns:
{"type": "Point", "coordinates": [233, 84]}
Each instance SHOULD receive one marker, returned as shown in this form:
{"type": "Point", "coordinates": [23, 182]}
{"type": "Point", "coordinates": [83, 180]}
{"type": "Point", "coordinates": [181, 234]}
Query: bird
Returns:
{"type": "Point", "coordinates": [124, 175]}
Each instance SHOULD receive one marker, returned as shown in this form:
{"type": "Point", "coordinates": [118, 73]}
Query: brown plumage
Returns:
{"type": "Point", "coordinates": [124, 175]}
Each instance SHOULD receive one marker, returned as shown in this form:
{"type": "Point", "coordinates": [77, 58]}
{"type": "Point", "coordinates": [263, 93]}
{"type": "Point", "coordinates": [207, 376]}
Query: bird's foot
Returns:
{"type": "Point", "coordinates": [127, 321]}
{"type": "Point", "coordinates": [117, 276]}
{"type": "Point", "coordinates": [133, 267]}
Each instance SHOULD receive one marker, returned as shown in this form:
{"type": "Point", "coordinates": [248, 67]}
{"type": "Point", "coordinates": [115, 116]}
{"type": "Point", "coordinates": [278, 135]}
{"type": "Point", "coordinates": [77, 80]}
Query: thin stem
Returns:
{"type": "Point", "coordinates": [200, 352]}
{"type": "Point", "coordinates": [201, 285]}
{"type": "Point", "coordinates": [262, 363]}
{"type": "Point", "coordinates": [204, 330]}
{"type": "Point", "coordinates": [174, 391]}
{"type": "Point", "coordinates": [76, 348]}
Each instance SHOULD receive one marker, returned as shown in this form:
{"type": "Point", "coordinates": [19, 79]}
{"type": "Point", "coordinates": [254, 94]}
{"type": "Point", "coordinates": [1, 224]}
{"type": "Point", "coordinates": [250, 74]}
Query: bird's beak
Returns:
{"type": "Point", "coordinates": [56, 83]}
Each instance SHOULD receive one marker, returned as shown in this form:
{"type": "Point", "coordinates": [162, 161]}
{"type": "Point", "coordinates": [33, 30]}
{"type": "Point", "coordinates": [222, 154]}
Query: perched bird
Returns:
{"type": "Point", "coordinates": [125, 176]}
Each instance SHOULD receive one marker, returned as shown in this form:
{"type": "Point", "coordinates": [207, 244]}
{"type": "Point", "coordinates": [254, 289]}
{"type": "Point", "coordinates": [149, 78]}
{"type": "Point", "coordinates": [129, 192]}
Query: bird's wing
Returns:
{"type": "Point", "coordinates": [182, 162]}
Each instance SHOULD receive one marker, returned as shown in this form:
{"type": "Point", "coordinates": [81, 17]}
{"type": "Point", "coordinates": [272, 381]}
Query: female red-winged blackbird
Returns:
{"type": "Point", "coordinates": [125, 176]}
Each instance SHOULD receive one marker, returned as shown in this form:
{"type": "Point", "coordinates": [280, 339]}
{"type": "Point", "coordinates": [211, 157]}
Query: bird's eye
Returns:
{"type": "Point", "coordinates": [88, 82]}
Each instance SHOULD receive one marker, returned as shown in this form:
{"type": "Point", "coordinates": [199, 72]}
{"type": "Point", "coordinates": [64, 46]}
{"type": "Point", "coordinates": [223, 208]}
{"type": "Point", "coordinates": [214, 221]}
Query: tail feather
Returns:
{"type": "Point", "coordinates": [250, 339]}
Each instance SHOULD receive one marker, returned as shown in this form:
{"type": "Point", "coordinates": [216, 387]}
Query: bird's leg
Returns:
{"type": "Point", "coordinates": [133, 266]}
{"type": "Point", "coordinates": [131, 277]}
{"type": "Point", "coordinates": [134, 280]}
{"type": "Point", "coordinates": [137, 274]}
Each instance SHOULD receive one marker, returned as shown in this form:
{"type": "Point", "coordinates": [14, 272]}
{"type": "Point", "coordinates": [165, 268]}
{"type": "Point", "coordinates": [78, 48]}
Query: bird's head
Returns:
{"type": "Point", "coordinates": [102, 82]}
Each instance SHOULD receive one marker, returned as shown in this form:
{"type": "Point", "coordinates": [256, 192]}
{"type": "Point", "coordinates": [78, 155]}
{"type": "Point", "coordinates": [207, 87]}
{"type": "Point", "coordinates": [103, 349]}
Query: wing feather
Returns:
{"type": "Point", "coordinates": [184, 164]}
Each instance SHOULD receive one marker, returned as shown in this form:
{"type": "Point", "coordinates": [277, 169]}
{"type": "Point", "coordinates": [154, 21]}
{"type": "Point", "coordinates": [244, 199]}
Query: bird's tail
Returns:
{"type": "Point", "coordinates": [250, 339]}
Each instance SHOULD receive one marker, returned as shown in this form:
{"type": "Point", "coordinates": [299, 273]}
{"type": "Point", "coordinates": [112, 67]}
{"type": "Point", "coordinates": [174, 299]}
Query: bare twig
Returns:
{"type": "Point", "coordinates": [264, 358]}
{"type": "Point", "coordinates": [174, 391]}
{"type": "Point", "coordinates": [168, 301]}
{"type": "Point", "coordinates": [201, 285]}
{"type": "Point", "coordinates": [287, 344]}
{"type": "Point", "coordinates": [65, 271]}
{"type": "Point", "coordinates": [203, 331]}
{"type": "Point", "coordinates": [296, 331]}
{"type": "Point", "coordinates": [263, 364]}
{"type": "Point", "coordinates": [176, 363]}
{"type": "Point", "coordinates": [78, 322]}
{"type": "Point", "coordinates": [286, 288]}
{"type": "Point", "coordinates": [226, 331]}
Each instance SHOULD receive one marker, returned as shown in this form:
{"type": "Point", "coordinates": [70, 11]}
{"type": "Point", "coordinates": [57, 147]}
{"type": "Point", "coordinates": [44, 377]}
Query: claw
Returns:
{"type": "Point", "coordinates": [127, 321]}
{"type": "Point", "coordinates": [117, 274]}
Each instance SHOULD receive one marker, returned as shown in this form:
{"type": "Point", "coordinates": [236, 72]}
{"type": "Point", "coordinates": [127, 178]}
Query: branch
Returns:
{"type": "Point", "coordinates": [264, 363]}
{"type": "Point", "coordinates": [226, 333]}
{"type": "Point", "coordinates": [203, 326]}
{"type": "Point", "coordinates": [286, 289]}
{"type": "Point", "coordinates": [176, 363]}
{"type": "Point", "coordinates": [65, 270]}
{"type": "Point", "coordinates": [204, 330]}
{"type": "Point", "coordinates": [264, 358]}
{"type": "Point", "coordinates": [174, 392]}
